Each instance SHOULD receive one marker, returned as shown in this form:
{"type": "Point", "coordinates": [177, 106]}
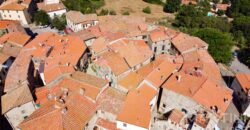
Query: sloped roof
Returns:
{"type": "Point", "coordinates": [12, 6]}
{"type": "Point", "coordinates": [16, 97]}
{"type": "Point", "coordinates": [79, 110]}
{"type": "Point", "coordinates": [244, 80]}
{"type": "Point", "coordinates": [77, 17]}
{"type": "Point", "coordinates": [136, 108]}
{"type": "Point", "coordinates": [51, 7]}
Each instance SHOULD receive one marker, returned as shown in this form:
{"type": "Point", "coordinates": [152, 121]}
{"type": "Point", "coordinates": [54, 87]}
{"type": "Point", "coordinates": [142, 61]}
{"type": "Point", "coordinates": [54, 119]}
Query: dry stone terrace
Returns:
{"type": "Point", "coordinates": [119, 73]}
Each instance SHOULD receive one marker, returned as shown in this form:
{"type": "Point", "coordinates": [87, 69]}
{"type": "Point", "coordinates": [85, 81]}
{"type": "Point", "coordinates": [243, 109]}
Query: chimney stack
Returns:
{"type": "Point", "coordinates": [82, 90]}
{"type": "Point", "coordinates": [179, 78]}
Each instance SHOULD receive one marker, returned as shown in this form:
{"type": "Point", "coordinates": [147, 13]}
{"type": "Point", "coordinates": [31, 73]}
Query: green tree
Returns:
{"type": "Point", "coordinates": [104, 12]}
{"type": "Point", "coordinates": [239, 7]}
{"type": "Point", "coordinates": [239, 39]}
{"type": "Point", "coordinates": [41, 18]}
{"type": "Point", "coordinates": [221, 12]}
{"type": "Point", "coordinates": [172, 6]}
{"type": "Point", "coordinates": [242, 23]}
{"type": "Point", "coordinates": [191, 17]}
{"type": "Point", "coordinates": [59, 22]}
{"type": "Point", "coordinates": [85, 6]}
{"type": "Point", "coordinates": [112, 12]}
{"type": "Point", "coordinates": [126, 13]}
{"type": "Point", "coordinates": [220, 44]}
{"type": "Point", "coordinates": [147, 10]}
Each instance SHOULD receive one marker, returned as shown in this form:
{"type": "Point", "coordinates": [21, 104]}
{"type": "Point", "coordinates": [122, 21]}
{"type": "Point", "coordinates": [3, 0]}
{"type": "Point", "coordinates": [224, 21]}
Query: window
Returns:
{"type": "Point", "coordinates": [124, 125]}
{"type": "Point", "coordinates": [155, 49]}
{"type": "Point", "coordinates": [18, 16]}
{"type": "Point", "coordinates": [10, 16]}
{"type": "Point", "coordinates": [163, 47]}
{"type": "Point", "coordinates": [164, 105]}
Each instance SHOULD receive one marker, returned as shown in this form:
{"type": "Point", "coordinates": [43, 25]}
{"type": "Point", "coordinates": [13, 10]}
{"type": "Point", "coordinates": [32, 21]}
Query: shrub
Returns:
{"type": "Point", "coordinates": [126, 13]}
{"type": "Point", "coordinates": [104, 12]}
{"type": "Point", "coordinates": [147, 10]}
{"type": "Point", "coordinates": [112, 12]}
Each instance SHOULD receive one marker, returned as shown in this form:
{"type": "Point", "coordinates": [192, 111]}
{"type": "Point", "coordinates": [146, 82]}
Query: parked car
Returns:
{"type": "Point", "coordinates": [239, 125]}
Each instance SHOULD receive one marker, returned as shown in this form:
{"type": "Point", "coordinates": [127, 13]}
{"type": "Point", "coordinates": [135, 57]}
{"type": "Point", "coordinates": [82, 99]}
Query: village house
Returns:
{"type": "Point", "coordinates": [106, 67]}
{"type": "Point", "coordinates": [136, 113]}
{"type": "Point", "coordinates": [159, 41]}
{"type": "Point", "coordinates": [10, 46]}
{"type": "Point", "coordinates": [15, 11]}
{"type": "Point", "coordinates": [52, 7]}
{"type": "Point", "coordinates": [17, 102]}
{"type": "Point", "coordinates": [77, 90]}
{"type": "Point", "coordinates": [7, 26]}
{"type": "Point", "coordinates": [241, 85]}
{"type": "Point", "coordinates": [184, 43]}
{"type": "Point", "coordinates": [54, 55]}
{"type": "Point", "coordinates": [190, 95]}
{"type": "Point", "coordinates": [77, 21]}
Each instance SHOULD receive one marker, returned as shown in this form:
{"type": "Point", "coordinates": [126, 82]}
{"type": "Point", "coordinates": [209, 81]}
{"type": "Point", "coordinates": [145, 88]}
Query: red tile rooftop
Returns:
{"type": "Point", "coordinates": [73, 114]}
{"type": "Point", "coordinates": [136, 109]}
{"type": "Point", "coordinates": [244, 81]}
{"type": "Point", "coordinates": [199, 89]}
{"type": "Point", "coordinates": [4, 23]}
{"type": "Point", "coordinates": [106, 124]}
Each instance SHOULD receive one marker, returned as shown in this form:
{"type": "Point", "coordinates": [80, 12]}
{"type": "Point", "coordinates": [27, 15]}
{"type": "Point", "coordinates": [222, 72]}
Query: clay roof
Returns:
{"type": "Point", "coordinates": [18, 71]}
{"type": "Point", "coordinates": [11, 37]}
{"type": "Point", "coordinates": [136, 110]}
{"type": "Point", "coordinates": [160, 74]}
{"type": "Point", "coordinates": [99, 45]}
{"type": "Point", "coordinates": [151, 72]}
{"type": "Point", "coordinates": [4, 23]}
{"type": "Point", "coordinates": [12, 6]}
{"type": "Point", "coordinates": [199, 88]}
{"type": "Point", "coordinates": [184, 42]}
{"type": "Point", "coordinates": [176, 115]}
{"type": "Point", "coordinates": [106, 124]}
{"type": "Point", "coordinates": [3, 58]}
{"type": "Point", "coordinates": [77, 17]}
{"type": "Point", "coordinates": [244, 81]}
{"type": "Point", "coordinates": [114, 61]}
{"type": "Point", "coordinates": [84, 34]}
{"type": "Point", "coordinates": [16, 97]}
{"type": "Point", "coordinates": [200, 62]}
{"type": "Point", "coordinates": [111, 100]}
{"type": "Point", "coordinates": [50, 7]}
{"type": "Point", "coordinates": [222, 6]}
{"type": "Point", "coordinates": [89, 79]}
{"type": "Point", "coordinates": [78, 110]}
{"type": "Point", "coordinates": [186, 2]}
{"type": "Point", "coordinates": [158, 35]}
{"type": "Point", "coordinates": [60, 53]}
{"type": "Point", "coordinates": [138, 50]}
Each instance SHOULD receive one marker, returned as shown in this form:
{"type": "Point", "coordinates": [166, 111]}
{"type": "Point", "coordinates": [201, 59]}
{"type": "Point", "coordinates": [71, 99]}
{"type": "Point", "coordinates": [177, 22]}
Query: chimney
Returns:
{"type": "Point", "coordinates": [64, 110]}
{"type": "Point", "coordinates": [82, 90]}
{"type": "Point", "coordinates": [178, 78]}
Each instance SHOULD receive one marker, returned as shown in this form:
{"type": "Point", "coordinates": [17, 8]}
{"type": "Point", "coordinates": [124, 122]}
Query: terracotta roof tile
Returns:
{"type": "Point", "coordinates": [176, 116]}
{"type": "Point", "coordinates": [50, 7]}
{"type": "Point", "coordinates": [136, 108]}
{"type": "Point", "coordinates": [106, 124]}
{"type": "Point", "coordinates": [16, 97]}
{"type": "Point", "coordinates": [77, 17]}
{"type": "Point", "coordinates": [184, 42]}
{"type": "Point", "coordinates": [12, 6]}
{"type": "Point", "coordinates": [244, 80]}
{"type": "Point", "coordinates": [4, 23]}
